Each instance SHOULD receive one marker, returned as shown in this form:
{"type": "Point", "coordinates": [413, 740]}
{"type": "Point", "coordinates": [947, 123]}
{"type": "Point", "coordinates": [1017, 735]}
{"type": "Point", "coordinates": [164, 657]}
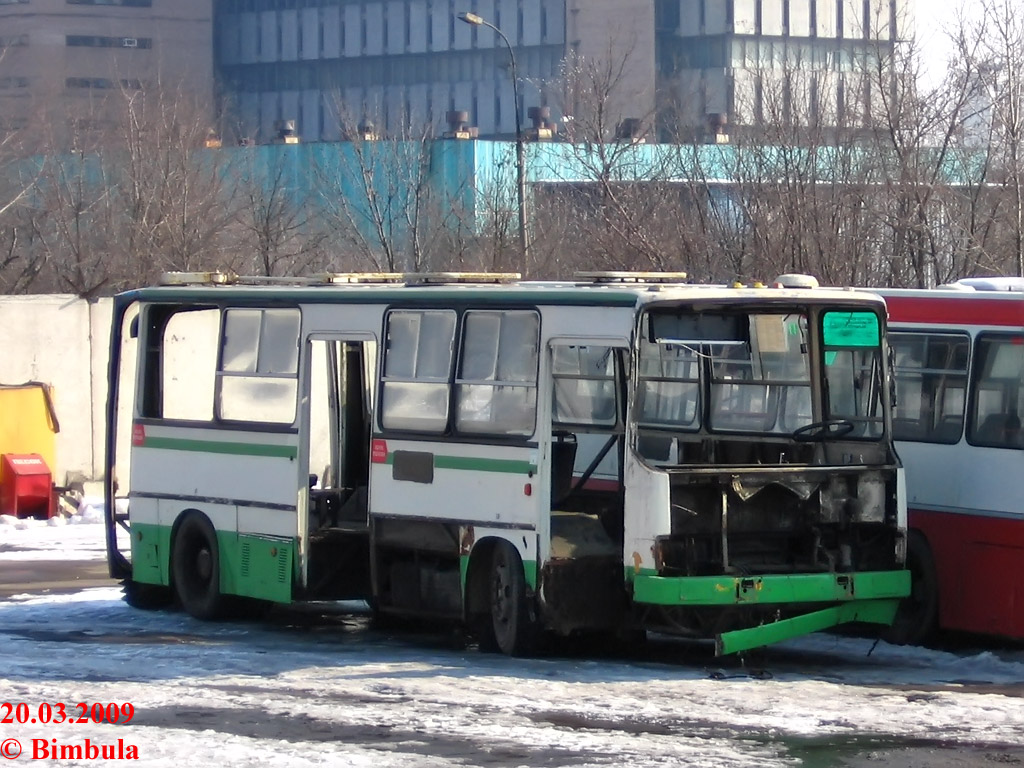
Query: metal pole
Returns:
{"type": "Point", "coordinates": [472, 18]}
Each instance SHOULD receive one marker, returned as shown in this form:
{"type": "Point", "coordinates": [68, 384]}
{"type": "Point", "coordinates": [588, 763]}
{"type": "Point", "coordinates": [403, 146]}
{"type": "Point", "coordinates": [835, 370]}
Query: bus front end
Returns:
{"type": "Point", "coordinates": [764, 499]}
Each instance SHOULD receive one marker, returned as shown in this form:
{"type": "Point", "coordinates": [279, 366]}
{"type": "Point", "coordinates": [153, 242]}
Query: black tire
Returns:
{"type": "Point", "coordinates": [195, 568]}
{"type": "Point", "coordinates": [147, 597]}
{"type": "Point", "coordinates": [513, 623]}
{"type": "Point", "coordinates": [917, 616]}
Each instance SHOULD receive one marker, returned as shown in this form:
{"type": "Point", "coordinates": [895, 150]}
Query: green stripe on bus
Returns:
{"type": "Point", "coordinates": [513, 466]}
{"type": "Point", "coordinates": [216, 446]}
{"type": "Point", "coordinates": [509, 466]}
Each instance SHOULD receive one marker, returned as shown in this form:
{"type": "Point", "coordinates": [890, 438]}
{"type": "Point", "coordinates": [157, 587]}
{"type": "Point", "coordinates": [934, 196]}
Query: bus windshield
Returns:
{"type": "Point", "coordinates": [751, 373]}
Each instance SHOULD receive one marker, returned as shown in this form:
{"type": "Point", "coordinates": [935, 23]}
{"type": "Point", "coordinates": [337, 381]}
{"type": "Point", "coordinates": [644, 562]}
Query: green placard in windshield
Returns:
{"type": "Point", "coordinates": [851, 329]}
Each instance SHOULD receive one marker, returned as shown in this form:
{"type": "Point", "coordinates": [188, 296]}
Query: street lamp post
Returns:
{"type": "Point", "coordinates": [479, 21]}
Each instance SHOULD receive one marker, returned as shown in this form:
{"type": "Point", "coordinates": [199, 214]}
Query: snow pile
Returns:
{"type": "Point", "coordinates": [77, 537]}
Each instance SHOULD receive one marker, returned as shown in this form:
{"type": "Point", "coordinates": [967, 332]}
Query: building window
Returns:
{"type": "Point", "coordinates": [430, 25]}
{"type": "Point", "coordinates": [131, 84]}
{"type": "Point", "coordinates": [7, 83]}
{"type": "Point", "coordinates": [125, 3]}
{"type": "Point", "coordinates": [97, 41]}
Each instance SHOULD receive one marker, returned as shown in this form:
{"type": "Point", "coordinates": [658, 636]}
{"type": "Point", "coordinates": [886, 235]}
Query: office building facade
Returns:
{"type": "Point", "coordinates": [401, 64]}
{"type": "Point", "coordinates": [62, 61]}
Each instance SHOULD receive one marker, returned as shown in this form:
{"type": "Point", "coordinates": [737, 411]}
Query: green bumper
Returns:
{"type": "Point", "coordinates": [871, 596]}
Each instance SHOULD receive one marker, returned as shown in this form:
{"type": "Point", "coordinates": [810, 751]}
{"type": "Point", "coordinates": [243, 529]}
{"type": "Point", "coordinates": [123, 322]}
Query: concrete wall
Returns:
{"type": "Point", "coordinates": [62, 341]}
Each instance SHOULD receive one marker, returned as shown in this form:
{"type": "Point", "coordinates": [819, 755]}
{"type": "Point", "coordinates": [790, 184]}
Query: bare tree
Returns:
{"type": "Point", "coordinates": [619, 206]}
{"type": "Point", "coordinates": [1000, 31]}
{"type": "Point", "coordinates": [401, 202]}
{"type": "Point", "coordinates": [274, 222]}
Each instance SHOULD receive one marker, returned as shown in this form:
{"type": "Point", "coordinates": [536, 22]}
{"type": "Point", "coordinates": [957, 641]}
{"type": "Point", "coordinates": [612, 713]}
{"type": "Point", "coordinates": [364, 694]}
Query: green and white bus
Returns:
{"type": "Point", "coordinates": [618, 453]}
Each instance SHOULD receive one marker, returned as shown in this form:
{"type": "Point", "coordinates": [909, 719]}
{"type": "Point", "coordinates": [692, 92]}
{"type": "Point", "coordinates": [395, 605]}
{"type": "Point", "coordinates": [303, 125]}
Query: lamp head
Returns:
{"type": "Point", "coordinates": [471, 18]}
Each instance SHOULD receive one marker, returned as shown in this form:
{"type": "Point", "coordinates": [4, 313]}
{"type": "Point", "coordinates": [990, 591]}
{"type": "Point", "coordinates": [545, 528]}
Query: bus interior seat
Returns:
{"type": "Point", "coordinates": [908, 429]}
{"type": "Point", "coordinates": [948, 430]}
{"type": "Point", "coordinates": [991, 431]}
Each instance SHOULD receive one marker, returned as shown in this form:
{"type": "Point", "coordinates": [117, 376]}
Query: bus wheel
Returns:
{"type": "Point", "coordinates": [196, 567]}
{"type": "Point", "coordinates": [515, 630]}
{"type": "Point", "coordinates": [918, 614]}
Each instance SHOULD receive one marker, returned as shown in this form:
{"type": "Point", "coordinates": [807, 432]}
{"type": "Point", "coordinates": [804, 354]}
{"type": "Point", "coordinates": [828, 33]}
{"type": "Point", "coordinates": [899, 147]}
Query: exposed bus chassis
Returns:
{"type": "Point", "coordinates": [822, 541]}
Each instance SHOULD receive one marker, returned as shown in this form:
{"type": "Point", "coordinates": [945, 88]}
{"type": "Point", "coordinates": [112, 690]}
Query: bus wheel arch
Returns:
{"type": "Point", "coordinates": [917, 617]}
{"type": "Point", "coordinates": [195, 566]}
{"type": "Point", "coordinates": [498, 601]}
{"type": "Point", "coordinates": [477, 605]}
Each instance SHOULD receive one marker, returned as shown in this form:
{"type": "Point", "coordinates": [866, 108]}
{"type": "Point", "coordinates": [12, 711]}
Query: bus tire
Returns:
{"type": "Point", "coordinates": [512, 620]}
{"type": "Point", "coordinates": [146, 597]}
{"type": "Point", "coordinates": [195, 563]}
{"type": "Point", "coordinates": [917, 616]}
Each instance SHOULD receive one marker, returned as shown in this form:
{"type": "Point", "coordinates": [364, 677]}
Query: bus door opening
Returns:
{"type": "Point", "coordinates": [586, 487]}
{"type": "Point", "coordinates": [338, 468]}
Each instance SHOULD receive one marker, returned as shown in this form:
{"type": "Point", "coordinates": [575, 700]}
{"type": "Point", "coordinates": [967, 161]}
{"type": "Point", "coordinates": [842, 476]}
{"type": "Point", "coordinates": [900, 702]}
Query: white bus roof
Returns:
{"type": "Point", "coordinates": [606, 288]}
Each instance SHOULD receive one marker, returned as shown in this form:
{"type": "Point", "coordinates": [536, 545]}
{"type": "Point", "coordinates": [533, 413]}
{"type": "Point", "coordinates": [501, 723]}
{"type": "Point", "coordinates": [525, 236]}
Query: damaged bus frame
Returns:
{"type": "Point", "coordinates": [616, 453]}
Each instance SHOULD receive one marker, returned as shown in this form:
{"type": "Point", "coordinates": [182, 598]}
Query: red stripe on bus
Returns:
{"type": "Point", "coordinates": [955, 312]}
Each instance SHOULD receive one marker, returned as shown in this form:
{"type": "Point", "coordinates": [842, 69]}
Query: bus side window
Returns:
{"type": "Point", "coordinates": [496, 389]}
{"type": "Point", "coordinates": [258, 373]}
{"type": "Point", "coordinates": [180, 363]}
{"type": "Point", "coordinates": [998, 395]}
{"type": "Point", "coordinates": [414, 389]}
{"type": "Point", "coordinates": [584, 386]}
{"type": "Point", "coordinates": [931, 383]}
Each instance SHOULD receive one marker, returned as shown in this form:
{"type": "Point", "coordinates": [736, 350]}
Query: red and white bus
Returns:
{"type": "Point", "coordinates": [959, 365]}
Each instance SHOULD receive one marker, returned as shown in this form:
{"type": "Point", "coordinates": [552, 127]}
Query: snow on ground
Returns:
{"type": "Point", "coordinates": [80, 536]}
{"type": "Point", "coordinates": [305, 689]}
